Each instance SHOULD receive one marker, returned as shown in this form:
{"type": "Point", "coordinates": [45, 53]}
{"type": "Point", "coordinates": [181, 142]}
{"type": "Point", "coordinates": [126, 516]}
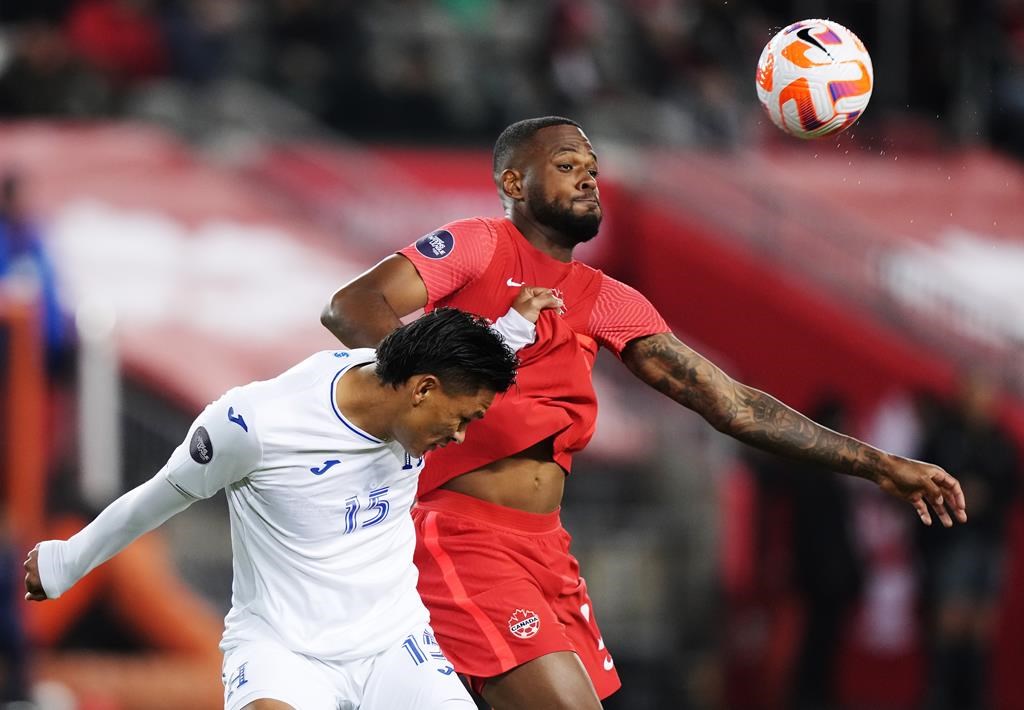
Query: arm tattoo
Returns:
{"type": "Point", "coordinates": [747, 414]}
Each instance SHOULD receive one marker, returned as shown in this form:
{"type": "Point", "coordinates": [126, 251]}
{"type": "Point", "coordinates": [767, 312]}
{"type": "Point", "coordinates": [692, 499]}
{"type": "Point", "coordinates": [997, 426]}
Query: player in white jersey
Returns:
{"type": "Point", "coordinates": [320, 467]}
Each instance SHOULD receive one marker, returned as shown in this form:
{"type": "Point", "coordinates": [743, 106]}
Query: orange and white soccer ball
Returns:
{"type": "Point", "coordinates": [814, 78]}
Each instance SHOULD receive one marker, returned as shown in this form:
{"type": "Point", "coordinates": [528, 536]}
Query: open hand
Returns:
{"type": "Point", "coordinates": [33, 585]}
{"type": "Point", "coordinates": [534, 299]}
{"type": "Point", "coordinates": [925, 485]}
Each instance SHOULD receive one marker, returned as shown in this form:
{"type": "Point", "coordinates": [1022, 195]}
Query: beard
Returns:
{"type": "Point", "coordinates": [577, 229]}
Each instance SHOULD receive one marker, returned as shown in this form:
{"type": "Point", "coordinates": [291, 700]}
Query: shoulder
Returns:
{"type": "Point", "coordinates": [321, 364]}
{"type": "Point", "coordinates": [612, 288]}
{"type": "Point", "coordinates": [446, 240]}
{"type": "Point", "coordinates": [222, 446]}
{"type": "Point", "coordinates": [621, 314]}
{"type": "Point", "coordinates": [454, 255]}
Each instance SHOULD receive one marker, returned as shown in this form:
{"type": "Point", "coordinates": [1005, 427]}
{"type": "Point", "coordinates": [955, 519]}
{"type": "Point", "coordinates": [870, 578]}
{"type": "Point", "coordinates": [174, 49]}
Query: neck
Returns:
{"type": "Point", "coordinates": [361, 397]}
{"type": "Point", "coordinates": [543, 238]}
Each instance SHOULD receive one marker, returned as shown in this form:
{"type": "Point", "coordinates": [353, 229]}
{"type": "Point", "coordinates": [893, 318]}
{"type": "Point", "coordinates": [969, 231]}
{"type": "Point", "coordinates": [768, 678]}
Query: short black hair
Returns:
{"type": "Point", "coordinates": [460, 349]}
{"type": "Point", "coordinates": [518, 134]}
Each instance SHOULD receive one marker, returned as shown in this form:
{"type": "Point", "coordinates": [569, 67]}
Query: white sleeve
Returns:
{"type": "Point", "coordinates": [63, 562]}
{"type": "Point", "coordinates": [212, 456]}
{"type": "Point", "coordinates": [222, 447]}
{"type": "Point", "coordinates": [516, 329]}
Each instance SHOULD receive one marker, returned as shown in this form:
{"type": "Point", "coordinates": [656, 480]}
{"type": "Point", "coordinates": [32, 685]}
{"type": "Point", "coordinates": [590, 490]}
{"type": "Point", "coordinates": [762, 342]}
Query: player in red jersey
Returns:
{"type": "Point", "coordinates": [505, 595]}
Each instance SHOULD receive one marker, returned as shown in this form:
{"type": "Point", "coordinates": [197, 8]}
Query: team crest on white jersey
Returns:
{"type": "Point", "coordinates": [524, 623]}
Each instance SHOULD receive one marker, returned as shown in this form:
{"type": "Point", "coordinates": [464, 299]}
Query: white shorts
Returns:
{"type": "Point", "coordinates": [412, 674]}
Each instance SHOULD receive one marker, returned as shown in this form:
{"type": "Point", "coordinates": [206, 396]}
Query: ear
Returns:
{"type": "Point", "coordinates": [422, 386]}
{"type": "Point", "coordinates": [512, 184]}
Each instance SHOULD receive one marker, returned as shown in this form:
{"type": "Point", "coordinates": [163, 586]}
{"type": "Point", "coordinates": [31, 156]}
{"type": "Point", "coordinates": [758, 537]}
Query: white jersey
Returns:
{"type": "Point", "coordinates": [320, 525]}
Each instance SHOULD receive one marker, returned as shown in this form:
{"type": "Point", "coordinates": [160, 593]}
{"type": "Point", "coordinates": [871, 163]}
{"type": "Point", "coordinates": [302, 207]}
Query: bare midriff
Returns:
{"type": "Point", "coordinates": [530, 481]}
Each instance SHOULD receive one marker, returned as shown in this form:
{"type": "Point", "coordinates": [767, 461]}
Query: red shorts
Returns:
{"type": "Point", "coordinates": [502, 589]}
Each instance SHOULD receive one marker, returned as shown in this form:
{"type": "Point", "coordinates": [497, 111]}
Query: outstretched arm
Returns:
{"type": "Point", "coordinates": [54, 566]}
{"type": "Point", "coordinates": [757, 418]}
{"type": "Point", "coordinates": [222, 447]}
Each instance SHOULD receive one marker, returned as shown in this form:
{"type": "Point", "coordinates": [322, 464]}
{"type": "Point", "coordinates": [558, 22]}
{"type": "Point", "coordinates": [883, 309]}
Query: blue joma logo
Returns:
{"type": "Point", "coordinates": [324, 468]}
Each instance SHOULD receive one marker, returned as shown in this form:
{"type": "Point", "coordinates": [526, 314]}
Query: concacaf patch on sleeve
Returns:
{"type": "Point", "coordinates": [436, 245]}
{"type": "Point", "coordinates": [200, 447]}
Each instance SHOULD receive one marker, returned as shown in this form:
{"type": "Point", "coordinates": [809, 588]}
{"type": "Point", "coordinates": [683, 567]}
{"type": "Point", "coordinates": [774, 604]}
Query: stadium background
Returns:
{"type": "Point", "coordinates": [203, 173]}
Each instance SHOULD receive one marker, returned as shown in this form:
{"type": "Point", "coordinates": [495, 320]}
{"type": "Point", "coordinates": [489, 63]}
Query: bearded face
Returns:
{"type": "Point", "coordinates": [578, 219]}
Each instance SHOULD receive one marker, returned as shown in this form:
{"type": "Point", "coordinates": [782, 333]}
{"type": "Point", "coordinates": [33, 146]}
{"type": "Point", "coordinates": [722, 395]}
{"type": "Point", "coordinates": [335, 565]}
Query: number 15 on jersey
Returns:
{"type": "Point", "coordinates": [377, 509]}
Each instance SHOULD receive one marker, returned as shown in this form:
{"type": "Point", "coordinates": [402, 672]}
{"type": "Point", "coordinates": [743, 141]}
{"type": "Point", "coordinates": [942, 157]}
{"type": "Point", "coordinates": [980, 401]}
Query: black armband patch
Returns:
{"type": "Point", "coordinates": [201, 448]}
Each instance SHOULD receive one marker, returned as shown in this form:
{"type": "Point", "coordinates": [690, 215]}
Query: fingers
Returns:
{"type": "Point", "coordinates": [944, 495]}
{"type": "Point", "coordinates": [940, 510]}
{"type": "Point", "coordinates": [922, 509]}
{"type": "Point", "coordinates": [543, 297]}
{"type": "Point", "coordinates": [534, 299]}
{"type": "Point", "coordinates": [33, 585]}
{"type": "Point", "coordinates": [954, 496]}
{"type": "Point", "coordinates": [931, 490]}
{"type": "Point", "coordinates": [933, 496]}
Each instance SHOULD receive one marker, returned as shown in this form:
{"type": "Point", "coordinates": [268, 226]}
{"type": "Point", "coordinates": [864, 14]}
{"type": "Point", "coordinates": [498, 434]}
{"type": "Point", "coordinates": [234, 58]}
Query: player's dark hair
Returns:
{"type": "Point", "coordinates": [517, 135]}
{"type": "Point", "coordinates": [460, 349]}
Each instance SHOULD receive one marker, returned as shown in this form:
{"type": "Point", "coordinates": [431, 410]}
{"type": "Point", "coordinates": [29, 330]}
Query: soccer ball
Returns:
{"type": "Point", "coordinates": [814, 78]}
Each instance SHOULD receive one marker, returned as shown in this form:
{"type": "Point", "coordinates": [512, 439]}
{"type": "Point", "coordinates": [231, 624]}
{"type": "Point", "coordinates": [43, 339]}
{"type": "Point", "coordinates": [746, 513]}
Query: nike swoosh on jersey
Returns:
{"type": "Point", "coordinates": [324, 468]}
{"type": "Point", "coordinates": [512, 283]}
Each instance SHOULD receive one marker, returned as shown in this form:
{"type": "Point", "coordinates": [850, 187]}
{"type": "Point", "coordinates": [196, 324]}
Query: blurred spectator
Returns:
{"type": "Point", "coordinates": [301, 36]}
{"type": "Point", "coordinates": [964, 566]}
{"type": "Point", "coordinates": [1008, 94]}
{"type": "Point", "coordinates": [52, 11]}
{"type": "Point", "coordinates": [119, 38]}
{"type": "Point", "coordinates": [23, 255]}
{"type": "Point", "coordinates": [825, 569]}
{"type": "Point", "coordinates": [198, 37]}
{"type": "Point", "coordinates": [658, 71]}
{"type": "Point", "coordinates": [43, 78]}
{"type": "Point", "coordinates": [569, 55]}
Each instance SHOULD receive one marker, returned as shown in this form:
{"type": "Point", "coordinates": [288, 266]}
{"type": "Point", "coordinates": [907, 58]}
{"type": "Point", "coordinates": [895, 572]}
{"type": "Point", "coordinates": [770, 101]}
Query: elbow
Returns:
{"type": "Point", "coordinates": [329, 317]}
{"type": "Point", "coordinates": [332, 318]}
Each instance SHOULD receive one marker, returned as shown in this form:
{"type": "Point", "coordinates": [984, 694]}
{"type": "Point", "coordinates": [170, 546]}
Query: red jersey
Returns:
{"type": "Point", "coordinates": [478, 265]}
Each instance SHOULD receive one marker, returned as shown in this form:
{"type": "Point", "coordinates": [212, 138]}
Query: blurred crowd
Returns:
{"type": "Point", "coordinates": [452, 71]}
{"type": "Point", "coordinates": [849, 563]}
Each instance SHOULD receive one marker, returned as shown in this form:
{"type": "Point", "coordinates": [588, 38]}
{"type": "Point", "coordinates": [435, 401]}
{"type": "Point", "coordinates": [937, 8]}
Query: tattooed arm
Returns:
{"type": "Point", "coordinates": [758, 419]}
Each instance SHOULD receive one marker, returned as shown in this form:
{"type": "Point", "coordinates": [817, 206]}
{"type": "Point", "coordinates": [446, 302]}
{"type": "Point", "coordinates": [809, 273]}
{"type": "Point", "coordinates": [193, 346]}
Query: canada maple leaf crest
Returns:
{"type": "Point", "coordinates": [524, 623]}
